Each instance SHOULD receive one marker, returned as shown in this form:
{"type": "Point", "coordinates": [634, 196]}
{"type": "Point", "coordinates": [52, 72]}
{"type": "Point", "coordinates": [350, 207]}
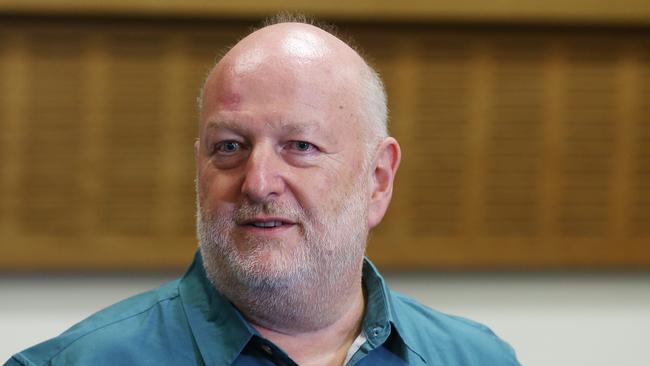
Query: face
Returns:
{"type": "Point", "coordinates": [282, 180]}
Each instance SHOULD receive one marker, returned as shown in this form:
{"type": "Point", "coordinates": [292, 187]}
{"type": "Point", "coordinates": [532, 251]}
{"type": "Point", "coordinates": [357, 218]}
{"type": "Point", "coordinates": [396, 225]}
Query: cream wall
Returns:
{"type": "Point", "coordinates": [550, 319]}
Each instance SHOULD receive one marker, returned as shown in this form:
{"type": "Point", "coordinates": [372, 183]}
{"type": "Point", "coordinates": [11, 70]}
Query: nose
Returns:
{"type": "Point", "coordinates": [263, 176]}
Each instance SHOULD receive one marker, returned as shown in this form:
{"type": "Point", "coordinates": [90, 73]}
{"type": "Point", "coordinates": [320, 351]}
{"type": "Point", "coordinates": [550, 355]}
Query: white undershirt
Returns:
{"type": "Point", "coordinates": [354, 347]}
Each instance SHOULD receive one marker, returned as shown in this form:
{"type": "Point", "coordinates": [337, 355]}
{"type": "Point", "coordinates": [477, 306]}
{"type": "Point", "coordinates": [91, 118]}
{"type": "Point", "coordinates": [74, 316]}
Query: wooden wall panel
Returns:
{"type": "Point", "coordinates": [4, 137]}
{"type": "Point", "coordinates": [519, 152]}
{"type": "Point", "coordinates": [523, 148]}
{"type": "Point", "coordinates": [640, 181]}
{"type": "Point", "coordinates": [623, 12]}
{"type": "Point", "coordinates": [52, 145]}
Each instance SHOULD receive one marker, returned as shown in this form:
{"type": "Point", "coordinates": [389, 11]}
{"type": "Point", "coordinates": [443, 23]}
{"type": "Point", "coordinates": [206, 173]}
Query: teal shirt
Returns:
{"type": "Point", "coordinates": [187, 322]}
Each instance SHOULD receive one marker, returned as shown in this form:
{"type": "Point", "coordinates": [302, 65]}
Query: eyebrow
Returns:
{"type": "Point", "coordinates": [300, 127]}
{"type": "Point", "coordinates": [222, 124]}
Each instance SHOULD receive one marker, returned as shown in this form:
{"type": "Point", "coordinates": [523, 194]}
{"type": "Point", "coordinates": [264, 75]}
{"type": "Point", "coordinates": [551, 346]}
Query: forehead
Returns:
{"type": "Point", "coordinates": [290, 98]}
{"type": "Point", "coordinates": [276, 80]}
{"type": "Point", "coordinates": [286, 99]}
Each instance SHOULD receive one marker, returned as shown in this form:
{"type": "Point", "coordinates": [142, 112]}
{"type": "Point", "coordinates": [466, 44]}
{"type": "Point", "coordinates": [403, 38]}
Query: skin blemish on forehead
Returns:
{"type": "Point", "coordinates": [230, 101]}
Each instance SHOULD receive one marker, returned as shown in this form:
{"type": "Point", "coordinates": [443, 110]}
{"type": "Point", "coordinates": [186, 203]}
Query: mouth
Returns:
{"type": "Point", "coordinates": [267, 223]}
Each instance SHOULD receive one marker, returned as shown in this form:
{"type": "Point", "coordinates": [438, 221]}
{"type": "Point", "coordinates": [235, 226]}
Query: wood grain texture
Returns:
{"type": "Point", "coordinates": [623, 12]}
{"type": "Point", "coordinates": [522, 148]}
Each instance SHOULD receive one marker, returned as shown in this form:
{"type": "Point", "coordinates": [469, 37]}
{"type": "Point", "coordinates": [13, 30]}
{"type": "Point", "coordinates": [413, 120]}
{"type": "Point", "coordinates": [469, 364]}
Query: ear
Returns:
{"type": "Point", "coordinates": [197, 147]}
{"type": "Point", "coordinates": [383, 174]}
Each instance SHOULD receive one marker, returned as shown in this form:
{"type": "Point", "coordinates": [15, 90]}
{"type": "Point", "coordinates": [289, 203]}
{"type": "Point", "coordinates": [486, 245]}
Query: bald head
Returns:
{"type": "Point", "coordinates": [293, 45]}
{"type": "Point", "coordinates": [291, 56]}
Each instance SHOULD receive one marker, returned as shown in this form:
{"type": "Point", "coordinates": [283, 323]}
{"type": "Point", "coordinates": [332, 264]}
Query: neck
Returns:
{"type": "Point", "coordinates": [327, 345]}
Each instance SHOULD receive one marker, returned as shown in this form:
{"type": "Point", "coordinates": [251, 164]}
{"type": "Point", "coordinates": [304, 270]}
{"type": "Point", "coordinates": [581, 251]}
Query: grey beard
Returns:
{"type": "Point", "coordinates": [306, 288]}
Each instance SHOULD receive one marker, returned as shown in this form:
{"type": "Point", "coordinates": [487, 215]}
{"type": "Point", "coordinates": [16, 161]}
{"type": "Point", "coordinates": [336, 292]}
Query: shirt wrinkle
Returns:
{"type": "Point", "coordinates": [91, 331]}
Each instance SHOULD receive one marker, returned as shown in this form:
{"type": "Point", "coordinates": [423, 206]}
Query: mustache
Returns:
{"type": "Point", "coordinates": [249, 210]}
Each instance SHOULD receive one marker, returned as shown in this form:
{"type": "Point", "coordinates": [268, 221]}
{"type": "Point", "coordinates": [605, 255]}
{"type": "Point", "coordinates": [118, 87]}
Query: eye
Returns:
{"type": "Point", "coordinates": [227, 147]}
{"type": "Point", "coordinates": [302, 146]}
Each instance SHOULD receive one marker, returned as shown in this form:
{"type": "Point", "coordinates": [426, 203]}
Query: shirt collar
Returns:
{"type": "Point", "coordinates": [220, 331]}
{"type": "Point", "coordinates": [381, 315]}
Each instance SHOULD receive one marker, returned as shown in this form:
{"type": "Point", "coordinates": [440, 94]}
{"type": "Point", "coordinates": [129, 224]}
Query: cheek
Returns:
{"type": "Point", "coordinates": [312, 191]}
{"type": "Point", "coordinates": [335, 187]}
{"type": "Point", "coordinates": [217, 189]}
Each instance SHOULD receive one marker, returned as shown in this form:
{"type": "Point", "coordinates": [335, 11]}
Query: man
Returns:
{"type": "Point", "coordinates": [294, 167]}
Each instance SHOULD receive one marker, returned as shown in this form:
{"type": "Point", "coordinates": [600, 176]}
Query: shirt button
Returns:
{"type": "Point", "coordinates": [376, 331]}
{"type": "Point", "coordinates": [267, 349]}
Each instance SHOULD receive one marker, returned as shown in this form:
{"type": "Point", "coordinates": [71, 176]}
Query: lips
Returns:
{"type": "Point", "coordinates": [266, 222]}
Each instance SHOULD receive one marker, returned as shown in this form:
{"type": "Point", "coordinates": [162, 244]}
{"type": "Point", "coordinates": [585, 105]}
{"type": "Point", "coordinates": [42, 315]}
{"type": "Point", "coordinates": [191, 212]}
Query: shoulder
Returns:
{"type": "Point", "coordinates": [447, 338]}
{"type": "Point", "coordinates": [113, 333]}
